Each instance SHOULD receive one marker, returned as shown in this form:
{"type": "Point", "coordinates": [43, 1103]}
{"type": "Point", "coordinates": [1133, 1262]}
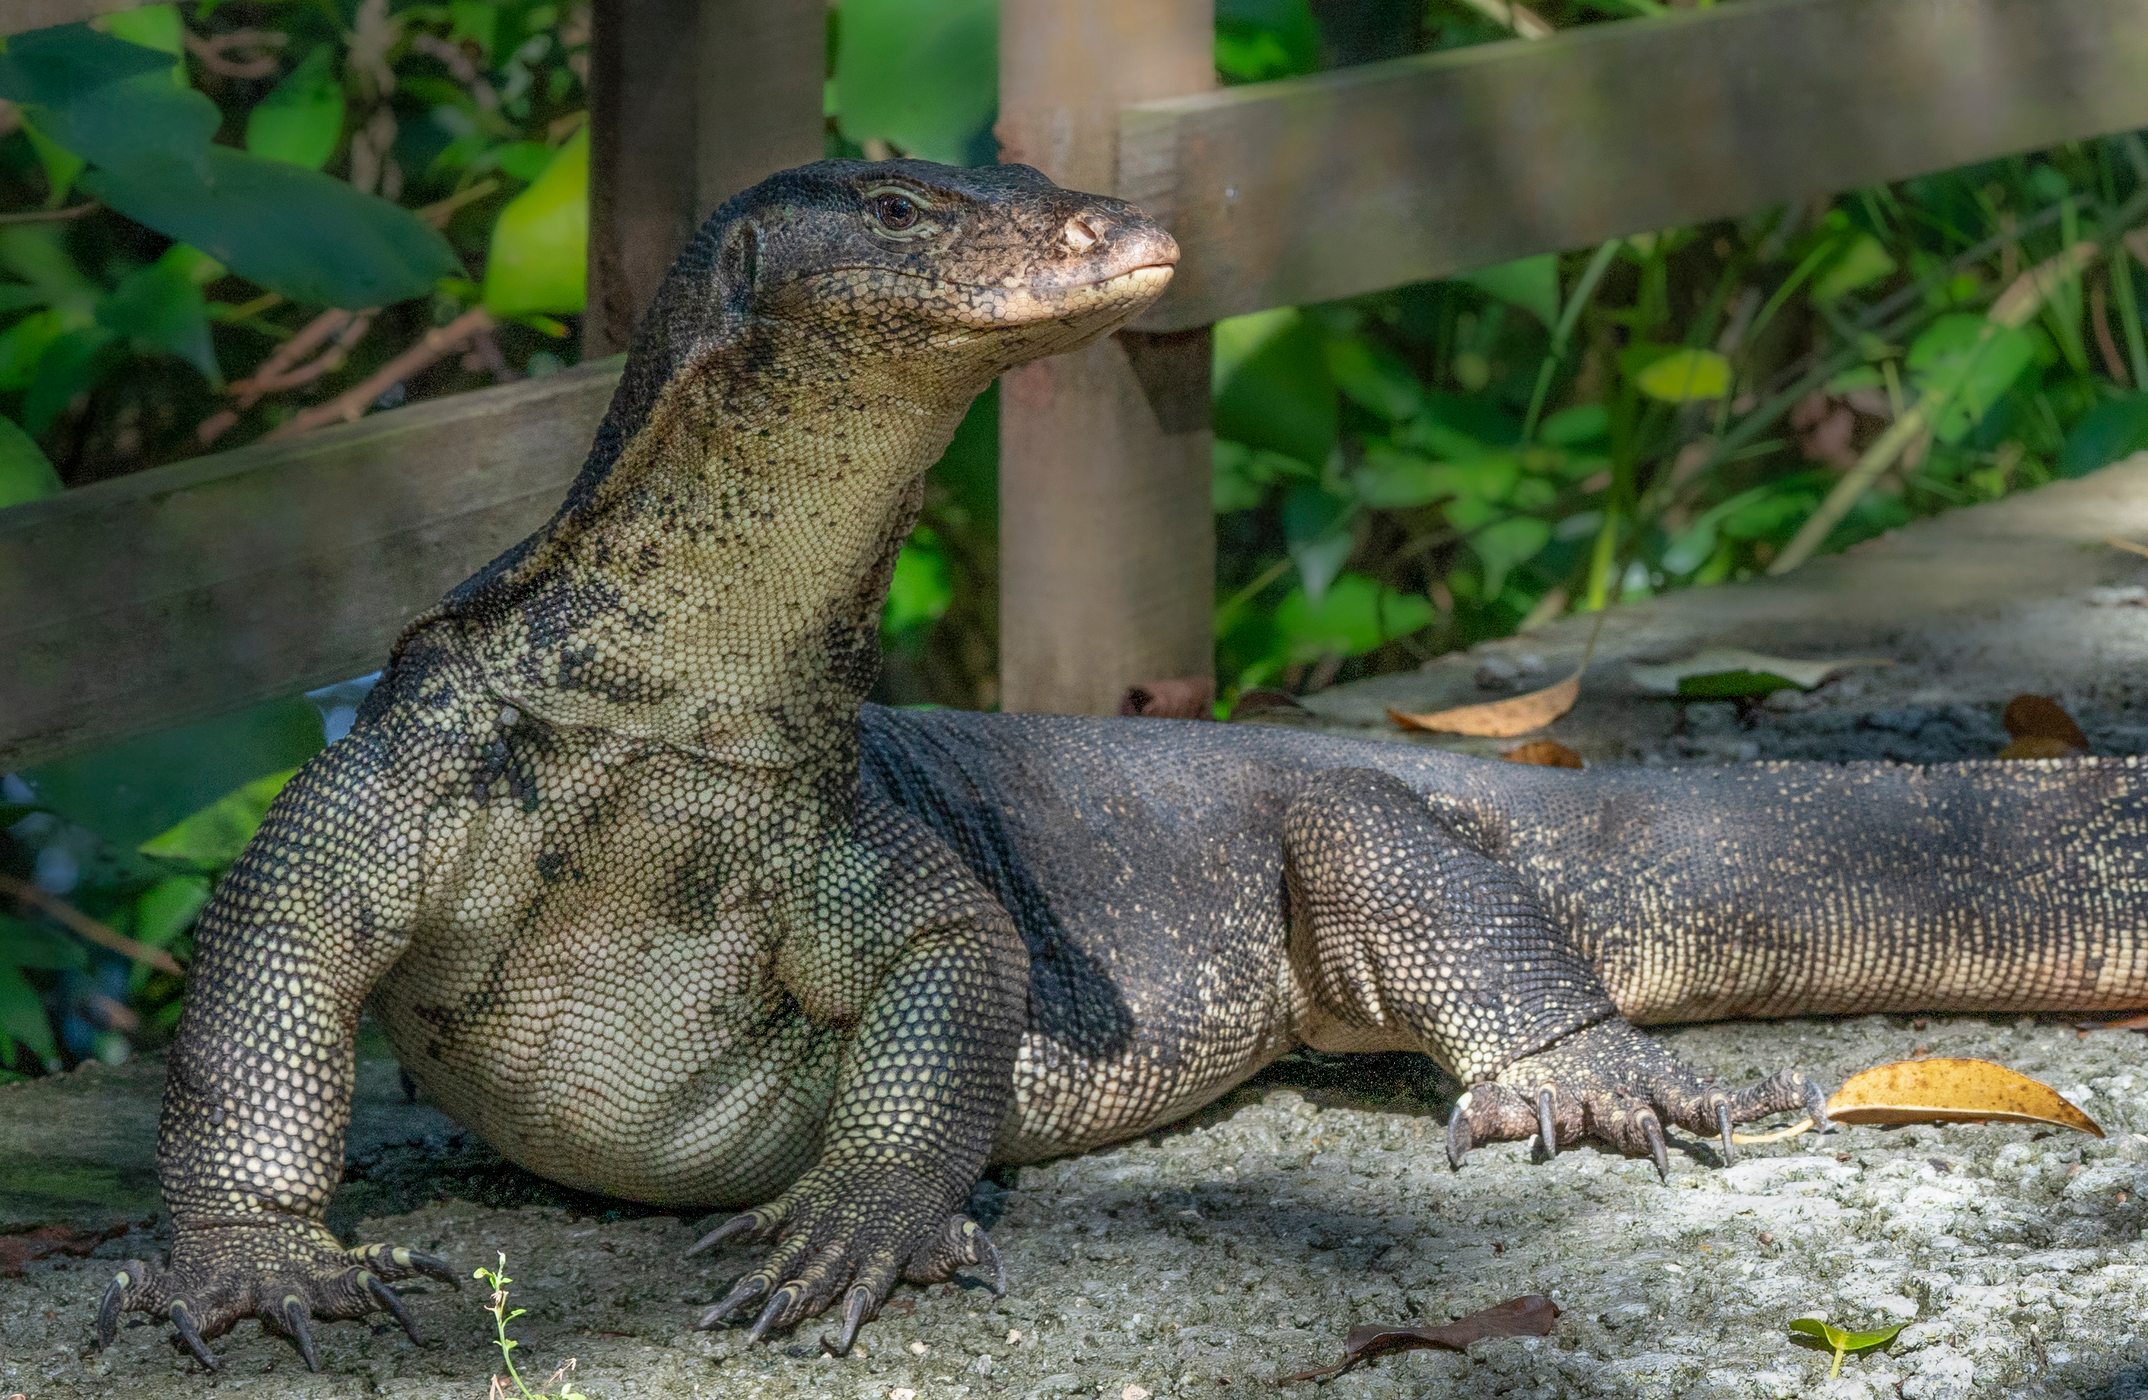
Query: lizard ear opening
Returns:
{"type": "Point", "coordinates": [738, 266]}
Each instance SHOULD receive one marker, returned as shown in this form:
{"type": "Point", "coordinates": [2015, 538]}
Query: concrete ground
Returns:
{"type": "Point", "coordinates": [1242, 1245]}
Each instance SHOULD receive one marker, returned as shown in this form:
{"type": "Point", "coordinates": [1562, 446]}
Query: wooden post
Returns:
{"type": "Point", "coordinates": [691, 101]}
{"type": "Point", "coordinates": [1107, 540]}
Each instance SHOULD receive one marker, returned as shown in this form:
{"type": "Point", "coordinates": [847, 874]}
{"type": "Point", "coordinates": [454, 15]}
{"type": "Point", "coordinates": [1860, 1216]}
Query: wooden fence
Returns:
{"type": "Point", "coordinates": [180, 591]}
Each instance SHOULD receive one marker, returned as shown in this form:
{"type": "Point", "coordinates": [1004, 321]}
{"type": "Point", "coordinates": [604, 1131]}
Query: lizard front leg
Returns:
{"type": "Point", "coordinates": [900, 947]}
{"type": "Point", "coordinates": [1401, 925]}
{"type": "Point", "coordinates": [258, 1084]}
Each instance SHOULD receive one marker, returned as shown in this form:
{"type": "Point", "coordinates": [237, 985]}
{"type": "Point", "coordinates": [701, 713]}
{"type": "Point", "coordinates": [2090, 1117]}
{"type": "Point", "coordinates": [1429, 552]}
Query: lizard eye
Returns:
{"type": "Point", "coordinates": [897, 213]}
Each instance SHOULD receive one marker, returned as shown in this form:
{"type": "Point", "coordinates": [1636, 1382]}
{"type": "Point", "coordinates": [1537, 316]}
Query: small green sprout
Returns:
{"type": "Point", "coordinates": [497, 1280]}
{"type": "Point", "coordinates": [1842, 1343]}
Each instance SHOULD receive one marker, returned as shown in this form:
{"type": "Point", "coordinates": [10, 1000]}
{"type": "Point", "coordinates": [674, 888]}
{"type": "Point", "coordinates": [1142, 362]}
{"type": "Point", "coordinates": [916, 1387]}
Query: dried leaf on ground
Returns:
{"type": "Point", "coordinates": [2138, 1021]}
{"type": "Point", "coordinates": [47, 1240]}
{"type": "Point", "coordinates": [1952, 1091]}
{"type": "Point", "coordinates": [1528, 1316]}
{"type": "Point", "coordinates": [1544, 753]}
{"type": "Point", "coordinates": [1723, 673]}
{"type": "Point", "coordinates": [2038, 724]}
{"type": "Point", "coordinates": [1182, 697]}
{"type": "Point", "coordinates": [1499, 719]}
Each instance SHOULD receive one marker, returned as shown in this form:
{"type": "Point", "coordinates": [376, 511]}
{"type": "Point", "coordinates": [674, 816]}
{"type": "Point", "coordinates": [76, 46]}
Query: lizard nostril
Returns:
{"type": "Point", "coordinates": [1081, 234]}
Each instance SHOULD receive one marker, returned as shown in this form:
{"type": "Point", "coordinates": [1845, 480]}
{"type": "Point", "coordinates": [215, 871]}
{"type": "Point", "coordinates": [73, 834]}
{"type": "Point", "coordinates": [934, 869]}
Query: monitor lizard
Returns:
{"type": "Point", "coordinates": [646, 895]}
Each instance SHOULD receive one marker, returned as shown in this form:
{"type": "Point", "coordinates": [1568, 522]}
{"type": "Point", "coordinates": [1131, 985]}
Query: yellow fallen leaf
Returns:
{"type": "Point", "coordinates": [1952, 1091]}
{"type": "Point", "coordinates": [2037, 746]}
{"type": "Point", "coordinates": [2043, 719]}
{"type": "Point", "coordinates": [1499, 719]}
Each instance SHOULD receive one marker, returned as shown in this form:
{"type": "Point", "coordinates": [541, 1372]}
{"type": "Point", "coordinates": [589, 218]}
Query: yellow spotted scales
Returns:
{"type": "Point", "coordinates": [647, 896]}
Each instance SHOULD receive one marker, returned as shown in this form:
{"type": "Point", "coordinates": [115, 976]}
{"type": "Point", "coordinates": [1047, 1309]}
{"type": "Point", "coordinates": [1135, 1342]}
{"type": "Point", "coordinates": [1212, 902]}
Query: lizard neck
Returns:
{"type": "Point", "coordinates": [718, 584]}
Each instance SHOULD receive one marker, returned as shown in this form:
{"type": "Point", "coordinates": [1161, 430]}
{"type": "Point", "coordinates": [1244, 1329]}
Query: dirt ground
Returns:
{"type": "Point", "coordinates": [1242, 1245]}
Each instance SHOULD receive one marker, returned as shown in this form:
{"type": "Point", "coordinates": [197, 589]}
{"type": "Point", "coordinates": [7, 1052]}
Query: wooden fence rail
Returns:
{"type": "Point", "coordinates": [171, 594]}
{"type": "Point", "coordinates": [191, 588]}
{"type": "Point", "coordinates": [1315, 188]}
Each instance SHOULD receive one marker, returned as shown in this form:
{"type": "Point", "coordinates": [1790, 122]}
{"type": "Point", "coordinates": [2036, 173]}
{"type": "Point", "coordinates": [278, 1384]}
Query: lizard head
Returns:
{"type": "Point", "coordinates": [956, 274]}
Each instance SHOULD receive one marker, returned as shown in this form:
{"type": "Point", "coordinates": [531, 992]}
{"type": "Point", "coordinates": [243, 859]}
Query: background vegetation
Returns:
{"type": "Point", "coordinates": [240, 219]}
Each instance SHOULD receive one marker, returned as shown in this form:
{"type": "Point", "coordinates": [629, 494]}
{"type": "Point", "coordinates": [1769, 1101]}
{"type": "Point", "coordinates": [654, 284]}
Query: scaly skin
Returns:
{"type": "Point", "coordinates": [646, 896]}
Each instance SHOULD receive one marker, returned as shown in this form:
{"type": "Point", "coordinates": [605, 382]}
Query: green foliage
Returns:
{"type": "Point", "coordinates": [540, 245]}
{"type": "Point", "coordinates": [502, 1314]}
{"type": "Point", "coordinates": [25, 474]}
{"type": "Point", "coordinates": [301, 119]}
{"type": "Point", "coordinates": [214, 836]}
{"type": "Point", "coordinates": [1840, 1342]}
{"type": "Point", "coordinates": [922, 78]}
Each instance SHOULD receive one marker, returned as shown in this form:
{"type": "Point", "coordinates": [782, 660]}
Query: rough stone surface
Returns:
{"type": "Point", "coordinates": [1207, 1259]}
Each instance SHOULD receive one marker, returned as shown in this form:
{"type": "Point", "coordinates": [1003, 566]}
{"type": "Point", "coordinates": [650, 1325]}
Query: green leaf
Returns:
{"type": "Point", "coordinates": [299, 232]}
{"type": "Point", "coordinates": [1505, 545]}
{"type": "Point", "coordinates": [72, 365]}
{"type": "Point", "coordinates": [23, 346]}
{"type": "Point", "coordinates": [1257, 40]}
{"type": "Point", "coordinates": [24, 944]}
{"type": "Point", "coordinates": [1970, 363]}
{"type": "Point", "coordinates": [540, 245]}
{"type": "Point", "coordinates": [160, 309]}
{"type": "Point", "coordinates": [1861, 261]}
{"type": "Point", "coordinates": [1374, 377]}
{"type": "Point", "coordinates": [168, 908]}
{"type": "Point", "coordinates": [1683, 375]}
{"type": "Point", "coordinates": [216, 834]}
{"type": "Point", "coordinates": [130, 791]}
{"type": "Point", "coordinates": [1529, 283]}
{"type": "Point", "coordinates": [22, 1015]}
{"type": "Point", "coordinates": [1272, 385]}
{"type": "Point", "coordinates": [1391, 479]}
{"type": "Point", "coordinates": [2112, 429]}
{"type": "Point", "coordinates": [922, 587]}
{"type": "Point", "coordinates": [1583, 425]}
{"type": "Point", "coordinates": [1317, 529]}
{"type": "Point", "coordinates": [152, 26]}
{"type": "Point", "coordinates": [1354, 616]}
{"type": "Point", "coordinates": [25, 472]}
{"type": "Point", "coordinates": [51, 67]}
{"type": "Point", "coordinates": [301, 119]}
{"type": "Point", "coordinates": [922, 77]}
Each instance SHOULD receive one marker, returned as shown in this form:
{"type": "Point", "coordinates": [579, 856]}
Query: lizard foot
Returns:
{"type": "Point", "coordinates": [289, 1275]}
{"type": "Point", "coordinates": [1611, 1083]}
{"type": "Point", "coordinates": [851, 1232]}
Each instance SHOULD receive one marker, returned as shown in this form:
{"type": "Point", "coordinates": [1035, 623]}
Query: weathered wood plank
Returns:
{"type": "Point", "coordinates": [1107, 543]}
{"type": "Point", "coordinates": [21, 16]}
{"type": "Point", "coordinates": [691, 101]}
{"type": "Point", "coordinates": [1309, 189]}
{"type": "Point", "coordinates": [178, 592]}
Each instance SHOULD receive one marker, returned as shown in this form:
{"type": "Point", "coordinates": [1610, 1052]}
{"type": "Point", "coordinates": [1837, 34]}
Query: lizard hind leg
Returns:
{"type": "Point", "coordinates": [1403, 925]}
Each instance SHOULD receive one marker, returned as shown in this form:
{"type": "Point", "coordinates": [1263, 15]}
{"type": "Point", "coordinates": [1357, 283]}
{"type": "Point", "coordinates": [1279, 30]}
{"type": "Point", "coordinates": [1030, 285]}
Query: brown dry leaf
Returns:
{"type": "Point", "coordinates": [2041, 717]}
{"type": "Point", "coordinates": [2038, 746]}
{"type": "Point", "coordinates": [1544, 753]}
{"type": "Point", "coordinates": [1528, 1316]}
{"type": "Point", "coordinates": [45, 1240]}
{"type": "Point", "coordinates": [1499, 719]}
{"type": "Point", "coordinates": [1952, 1091]}
{"type": "Point", "coordinates": [1182, 697]}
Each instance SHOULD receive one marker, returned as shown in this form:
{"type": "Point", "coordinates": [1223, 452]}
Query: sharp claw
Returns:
{"type": "Point", "coordinates": [856, 1308]}
{"type": "Point", "coordinates": [1722, 1123]}
{"type": "Point", "coordinates": [1652, 1129]}
{"type": "Point", "coordinates": [1458, 1136]}
{"type": "Point", "coordinates": [785, 1298]}
{"type": "Point", "coordinates": [294, 1318]}
{"type": "Point", "coordinates": [1816, 1104]}
{"type": "Point", "coordinates": [433, 1266]}
{"type": "Point", "coordinates": [1546, 1130]}
{"type": "Point", "coordinates": [737, 1225]}
{"type": "Point", "coordinates": [988, 1257]}
{"type": "Point", "coordinates": [109, 1307]}
{"type": "Point", "coordinates": [747, 1290]}
{"type": "Point", "coordinates": [183, 1323]}
{"type": "Point", "coordinates": [392, 1303]}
